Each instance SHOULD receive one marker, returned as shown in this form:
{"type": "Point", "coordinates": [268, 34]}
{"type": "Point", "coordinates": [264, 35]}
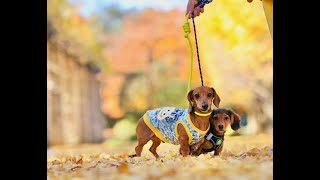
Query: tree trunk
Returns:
{"type": "Point", "coordinates": [150, 87]}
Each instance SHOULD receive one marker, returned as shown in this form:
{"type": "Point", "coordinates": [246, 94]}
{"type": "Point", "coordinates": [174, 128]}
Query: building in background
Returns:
{"type": "Point", "coordinates": [73, 101]}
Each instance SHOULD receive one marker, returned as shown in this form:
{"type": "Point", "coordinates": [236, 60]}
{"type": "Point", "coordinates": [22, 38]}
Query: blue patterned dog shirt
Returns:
{"type": "Point", "coordinates": [164, 123]}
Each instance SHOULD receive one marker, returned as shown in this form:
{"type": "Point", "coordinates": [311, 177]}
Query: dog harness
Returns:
{"type": "Point", "coordinates": [215, 140]}
{"type": "Point", "coordinates": [164, 124]}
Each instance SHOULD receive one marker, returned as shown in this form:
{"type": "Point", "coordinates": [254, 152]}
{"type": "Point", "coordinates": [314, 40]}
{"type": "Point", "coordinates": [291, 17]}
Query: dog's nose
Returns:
{"type": "Point", "coordinates": [204, 106]}
{"type": "Point", "coordinates": [220, 127]}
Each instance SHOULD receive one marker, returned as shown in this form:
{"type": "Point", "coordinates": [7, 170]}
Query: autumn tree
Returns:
{"type": "Point", "coordinates": [237, 52]}
{"type": "Point", "coordinates": [111, 17]}
{"type": "Point", "coordinates": [78, 30]}
{"type": "Point", "coordinates": [151, 52]}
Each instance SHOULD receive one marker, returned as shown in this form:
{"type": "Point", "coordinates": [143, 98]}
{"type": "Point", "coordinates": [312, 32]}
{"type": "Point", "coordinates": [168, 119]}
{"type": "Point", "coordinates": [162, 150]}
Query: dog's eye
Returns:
{"type": "Point", "coordinates": [197, 96]}
{"type": "Point", "coordinates": [209, 95]}
{"type": "Point", "coordinates": [226, 118]}
{"type": "Point", "coordinates": [215, 118]}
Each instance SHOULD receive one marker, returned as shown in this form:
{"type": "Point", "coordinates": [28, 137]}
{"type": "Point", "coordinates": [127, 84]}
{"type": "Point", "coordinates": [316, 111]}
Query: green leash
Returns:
{"type": "Point", "coordinates": [186, 29]}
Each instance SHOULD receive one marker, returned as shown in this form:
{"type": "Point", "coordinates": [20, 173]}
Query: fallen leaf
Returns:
{"type": "Point", "coordinates": [72, 169]}
{"type": "Point", "coordinates": [56, 161]}
{"type": "Point", "coordinates": [123, 168]}
{"type": "Point", "coordinates": [170, 172]}
{"type": "Point", "coordinates": [80, 161]}
{"type": "Point", "coordinates": [94, 166]}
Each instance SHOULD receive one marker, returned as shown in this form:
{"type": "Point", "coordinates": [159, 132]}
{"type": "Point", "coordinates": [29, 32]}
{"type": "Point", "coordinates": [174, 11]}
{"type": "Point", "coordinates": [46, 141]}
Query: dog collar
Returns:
{"type": "Point", "coordinates": [202, 114]}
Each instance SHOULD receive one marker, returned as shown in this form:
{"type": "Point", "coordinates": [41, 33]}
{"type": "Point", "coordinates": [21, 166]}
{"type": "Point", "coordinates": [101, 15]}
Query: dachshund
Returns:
{"type": "Point", "coordinates": [220, 119]}
{"type": "Point", "coordinates": [178, 126]}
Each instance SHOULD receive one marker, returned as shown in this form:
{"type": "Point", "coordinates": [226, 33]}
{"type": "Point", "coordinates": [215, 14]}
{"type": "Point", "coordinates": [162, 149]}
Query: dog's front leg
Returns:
{"type": "Point", "coordinates": [199, 150]}
{"type": "Point", "coordinates": [184, 145]}
{"type": "Point", "coordinates": [218, 151]}
{"type": "Point", "coordinates": [183, 141]}
{"type": "Point", "coordinates": [195, 147]}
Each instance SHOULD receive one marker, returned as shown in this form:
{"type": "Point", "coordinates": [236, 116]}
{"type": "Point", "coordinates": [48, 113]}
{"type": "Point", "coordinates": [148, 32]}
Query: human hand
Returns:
{"type": "Point", "coordinates": [190, 8]}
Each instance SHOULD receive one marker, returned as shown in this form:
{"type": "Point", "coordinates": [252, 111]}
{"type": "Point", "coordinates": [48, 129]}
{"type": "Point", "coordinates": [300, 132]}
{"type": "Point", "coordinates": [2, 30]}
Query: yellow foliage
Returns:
{"type": "Point", "coordinates": [124, 129]}
{"type": "Point", "coordinates": [235, 45]}
{"type": "Point", "coordinates": [71, 26]}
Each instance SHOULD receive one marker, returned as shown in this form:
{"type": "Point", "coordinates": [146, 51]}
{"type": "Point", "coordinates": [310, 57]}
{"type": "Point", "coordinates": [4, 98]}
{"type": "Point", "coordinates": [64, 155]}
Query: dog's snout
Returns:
{"type": "Point", "coordinates": [220, 127]}
{"type": "Point", "coordinates": [204, 105]}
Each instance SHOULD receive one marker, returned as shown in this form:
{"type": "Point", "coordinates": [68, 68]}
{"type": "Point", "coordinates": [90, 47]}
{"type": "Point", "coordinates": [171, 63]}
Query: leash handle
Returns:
{"type": "Point", "coordinates": [201, 3]}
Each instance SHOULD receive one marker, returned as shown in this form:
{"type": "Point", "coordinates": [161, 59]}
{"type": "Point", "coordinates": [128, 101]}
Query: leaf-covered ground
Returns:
{"type": "Point", "coordinates": [243, 157]}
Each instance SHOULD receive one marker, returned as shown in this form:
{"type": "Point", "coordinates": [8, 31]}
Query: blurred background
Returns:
{"type": "Point", "coordinates": [110, 61]}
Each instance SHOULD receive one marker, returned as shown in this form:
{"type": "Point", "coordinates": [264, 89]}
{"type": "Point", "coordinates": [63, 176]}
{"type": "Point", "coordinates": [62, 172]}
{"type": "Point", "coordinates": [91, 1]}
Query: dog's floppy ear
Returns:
{"type": "Point", "coordinates": [190, 99]}
{"type": "Point", "coordinates": [235, 120]}
{"type": "Point", "coordinates": [214, 111]}
{"type": "Point", "coordinates": [216, 98]}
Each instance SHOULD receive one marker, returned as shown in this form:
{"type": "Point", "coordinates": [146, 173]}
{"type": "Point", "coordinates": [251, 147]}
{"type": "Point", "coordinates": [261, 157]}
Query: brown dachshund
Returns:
{"type": "Point", "coordinates": [178, 126]}
{"type": "Point", "coordinates": [220, 119]}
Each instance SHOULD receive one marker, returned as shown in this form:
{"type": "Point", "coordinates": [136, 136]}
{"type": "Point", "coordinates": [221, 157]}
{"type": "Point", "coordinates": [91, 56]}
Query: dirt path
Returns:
{"type": "Point", "coordinates": [244, 157]}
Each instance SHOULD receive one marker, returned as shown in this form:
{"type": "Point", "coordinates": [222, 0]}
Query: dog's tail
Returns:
{"type": "Point", "coordinates": [131, 156]}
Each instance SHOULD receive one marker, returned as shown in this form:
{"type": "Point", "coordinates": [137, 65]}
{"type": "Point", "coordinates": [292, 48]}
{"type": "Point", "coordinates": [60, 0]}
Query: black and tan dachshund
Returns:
{"type": "Point", "coordinates": [220, 119]}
